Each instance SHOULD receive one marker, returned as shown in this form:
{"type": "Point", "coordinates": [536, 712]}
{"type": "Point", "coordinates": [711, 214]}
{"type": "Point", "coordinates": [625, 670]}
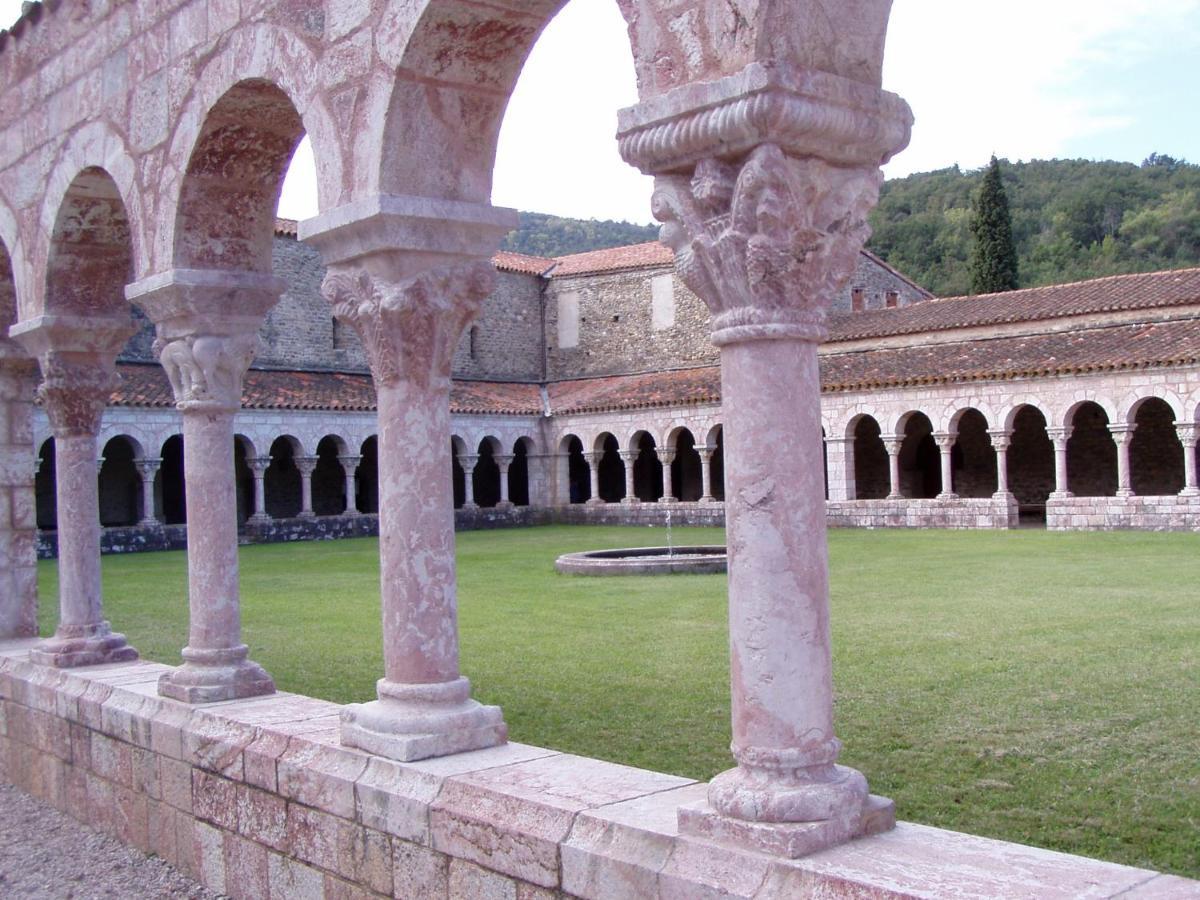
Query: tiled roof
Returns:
{"type": "Point", "coordinates": [146, 385]}
{"type": "Point", "coordinates": [614, 259]}
{"type": "Point", "coordinates": [507, 261]}
{"type": "Point", "coordinates": [287, 227]}
{"type": "Point", "coordinates": [1113, 294]}
{"type": "Point", "coordinates": [671, 388]}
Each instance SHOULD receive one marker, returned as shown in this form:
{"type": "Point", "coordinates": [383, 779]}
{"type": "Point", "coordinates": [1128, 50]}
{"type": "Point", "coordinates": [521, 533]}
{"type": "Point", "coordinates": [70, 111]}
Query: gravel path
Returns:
{"type": "Point", "coordinates": [47, 855]}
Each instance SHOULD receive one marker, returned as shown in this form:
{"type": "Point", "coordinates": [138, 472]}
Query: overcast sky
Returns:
{"type": "Point", "coordinates": [1029, 79]}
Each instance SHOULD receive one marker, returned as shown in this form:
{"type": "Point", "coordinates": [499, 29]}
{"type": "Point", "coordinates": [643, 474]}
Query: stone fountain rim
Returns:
{"type": "Point", "coordinates": [696, 559]}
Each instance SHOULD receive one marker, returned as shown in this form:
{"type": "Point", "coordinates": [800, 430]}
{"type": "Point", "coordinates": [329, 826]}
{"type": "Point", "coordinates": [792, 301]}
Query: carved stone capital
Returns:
{"type": "Point", "coordinates": [944, 440]}
{"type": "Point", "coordinates": [259, 465]}
{"type": "Point", "coordinates": [206, 370]}
{"type": "Point", "coordinates": [350, 462]}
{"type": "Point", "coordinates": [893, 445]}
{"type": "Point", "coordinates": [1060, 435]}
{"type": "Point", "coordinates": [766, 240]}
{"type": "Point", "coordinates": [148, 467]}
{"type": "Point", "coordinates": [666, 455]}
{"type": "Point", "coordinates": [410, 327]}
{"type": "Point", "coordinates": [75, 392]}
{"type": "Point", "coordinates": [1187, 432]}
{"type": "Point", "coordinates": [1122, 432]}
{"type": "Point", "coordinates": [306, 464]}
{"type": "Point", "coordinates": [1001, 438]}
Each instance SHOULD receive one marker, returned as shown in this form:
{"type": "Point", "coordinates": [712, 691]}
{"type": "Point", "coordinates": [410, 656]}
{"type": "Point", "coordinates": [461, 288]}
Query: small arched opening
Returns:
{"type": "Point", "coordinates": [458, 475]}
{"type": "Point", "coordinates": [1155, 451]}
{"type": "Point", "coordinates": [716, 468]}
{"type": "Point", "coordinates": [486, 477]}
{"type": "Point", "coordinates": [169, 484]}
{"type": "Point", "coordinates": [612, 470]}
{"type": "Point", "coordinates": [243, 451]}
{"type": "Point", "coordinates": [45, 488]}
{"type": "Point", "coordinates": [647, 469]}
{"type": "Point", "coordinates": [920, 459]}
{"type": "Point", "coordinates": [282, 479]}
{"type": "Point", "coordinates": [1091, 453]}
{"type": "Point", "coordinates": [368, 476]}
{"type": "Point", "coordinates": [574, 470]}
{"type": "Point", "coordinates": [329, 478]}
{"type": "Point", "coordinates": [972, 459]}
{"type": "Point", "coordinates": [120, 483]}
{"type": "Point", "coordinates": [1030, 462]}
{"type": "Point", "coordinates": [687, 474]}
{"type": "Point", "coordinates": [871, 478]}
{"type": "Point", "coordinates": [518, 473]}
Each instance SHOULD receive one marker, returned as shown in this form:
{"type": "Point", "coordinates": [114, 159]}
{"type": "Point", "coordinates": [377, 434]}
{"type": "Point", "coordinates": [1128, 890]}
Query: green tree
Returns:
{"type": "Point", "coordinates": [993, 254]}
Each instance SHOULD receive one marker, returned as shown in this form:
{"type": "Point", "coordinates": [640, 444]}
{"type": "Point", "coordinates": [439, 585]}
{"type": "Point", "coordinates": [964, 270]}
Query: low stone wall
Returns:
{"type": "Point", "coordinates": [960, 513]}
{"type": "Point", "coordinates": [1167, 513]}
{"type": "Point", "coordinates": [640, 514]}
{"type": "Point", "coordinates": [257, 798]}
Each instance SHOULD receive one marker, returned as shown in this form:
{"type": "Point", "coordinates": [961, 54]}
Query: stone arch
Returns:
{"type": "Point", "coordinates": [90, 255]}
{"type": "Point", "coordinates": [267, 54]}
{"type": "Point", "coordinates": [10, 271]}
{"type": "Point", "coordinates": [972, 459]}
{"type": "Point", "coordinates": [95, 147]}
{"type": "Point", "coordinates": [1085, 397]}
{"type": "Point", "coordinates": [169, 486]}
{"type": "Point", "coordinates": [120, 492]}
{"type": "Point", "coordinates": [518, 471]}
{"type": "Point", "coordinates": [872, 480]}
{"type": "Point", "coordinates": [574, 474]}
{"type": "Point", "coordinates": [1022, 403]}
{"type": "Point", "coordinates": [647, 469]}
{"type": "Point", "coordinates": [1168, 398]}
{"type": "Point", "coordinates": [229, 192]}
{"type": "Point", "coordinates": [920, 459]}
{"type": "Point", "coordinates": [687, 474]}
{"type": "Point", "coordinates": [282, 479]}
{"type": "Point", "coordinates": [1030, 460]}
{"type": "Point", "coordinates": [368, 476]}
{"type": "Point", "coordinates": [485, 478]}
{"type": "Point", "coordinates": [1091, 451]}
{"type": "Point", "coordinates": [610, 467]}
{"type": "Point", "coordinates": [45, 487]}
{"type": "Point", "coordinates": [244, 451]}
{"type": "Point", "coordinates": [329, 477]}
{"type": "Point", "coordinates": [716, 466]}
{"type": "Point", "coordinates": [1155, 451]}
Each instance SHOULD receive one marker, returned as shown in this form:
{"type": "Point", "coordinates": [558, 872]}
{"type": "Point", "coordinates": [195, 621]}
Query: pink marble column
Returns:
{"type": "Point", "coordinates": [258, 468]}
{"type": "Point", "coordinates": [1060, 437]}
{"type": "Point", "coordinates": [893, 445]}
{"type": "Point", "coordinates": [945, 443]}
{"type": "Point", "coordinates": [1123, 434]}
{"type": "Point", "coordinates": [207, 323]}
{"type": "Point", "coordinates": [349, 467]}
{"type": "Point", "coordinates": [147, 469]}
{"type": "Point", "coordinates": [409, 274]}
{"type": "Point", "coordinates": [593, 458]}
{"type": "Point", "coordinates": [706, 455]}
{"type": "Point", "coordinates": [468, 461]}
{"type": "Point", "coordinates": [1188, 433]}
{"type": "Point", "coordinates": [629, 458]}
{"type": "Point", "coordinates": [666, 456]}
{"type": "Point", "coordinates": [78, 375]}
{"type": "Point", "coordinates": [503, 462]}
{"type": "Point", "coordinates": [18, 465]}
{"type": "Point", "coordinates": [1001, 439]}
{"type": "Point", "coordinates": [763, 181]}
{"type": "Point", "coordinates": [307, 465]}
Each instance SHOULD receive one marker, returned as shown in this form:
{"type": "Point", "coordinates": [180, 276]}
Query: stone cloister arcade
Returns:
{"type": "Point", "coordinates": [142, 149]}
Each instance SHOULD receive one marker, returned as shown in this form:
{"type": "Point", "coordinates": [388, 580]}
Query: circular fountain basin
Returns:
{"type": "Point", "coordinates": [644, 561]}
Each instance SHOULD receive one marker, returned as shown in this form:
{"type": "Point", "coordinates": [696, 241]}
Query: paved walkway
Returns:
{"type": "Point", "coordinates": [47, 855]}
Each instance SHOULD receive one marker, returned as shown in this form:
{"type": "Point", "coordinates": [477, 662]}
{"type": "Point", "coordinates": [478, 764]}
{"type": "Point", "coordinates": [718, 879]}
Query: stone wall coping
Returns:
{"type": "Point", "coordinates": [591, 828]}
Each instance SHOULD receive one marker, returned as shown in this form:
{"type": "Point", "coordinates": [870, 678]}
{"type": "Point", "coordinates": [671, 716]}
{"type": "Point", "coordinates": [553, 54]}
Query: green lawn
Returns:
{"type": "Point", "coordinates": [1036, 687]}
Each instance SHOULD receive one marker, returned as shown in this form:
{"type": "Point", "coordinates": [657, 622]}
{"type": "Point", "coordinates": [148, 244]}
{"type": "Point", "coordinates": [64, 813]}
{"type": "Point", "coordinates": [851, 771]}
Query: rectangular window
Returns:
{"type": "Point", "coordinates": [662, 302]}
{"type": "Point", "coordinates": [568, 320]}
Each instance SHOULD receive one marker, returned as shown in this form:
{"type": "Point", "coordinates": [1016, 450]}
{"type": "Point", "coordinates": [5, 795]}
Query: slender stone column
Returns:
{"type": "Point", "coordinates": [503, 462]}
{"type": "Point", "coordinates": [1123, 434]}
{"type": "Point", "coordinates": [840, 454]}
{"type": "Point", "coordinates": [766, 213]}
{"type": "Point", "coordinates": [945, 443]}
{"type": "Point", "coordinates": [148, 468]}
{"type": "Point", "coordinates": [893, 446]}
{"type": "Point", "coordinates": [469, 461]}
{"type": "Point", "coordinates": [1188, 433]}
{"type": "Point", "coordinates": [1060, 437]}
{"type": "Point", "coordinates": [349, 467]}
{"type": "Point", "coordinates": [18, 532]}
{"type": "Point", "coordinates": [307, 465]}
{"type": "Point", "coordinates": [207, 325]}
{"type": "Point", "coordinates": [77, 358]}
{"type": "Point", "coordinates": [258, 468]}
{"type": "Point", "coordinates": [593, 458]}
{"type": "Point", "coordinates": [409, 274]}
{"type": "Point", "coordinates": [666, 456]}
{"type": "Point", "coordinates": [1001, 440]}
{"type": "Point", "coordinates": [706, 455]}
{"type": "Point", "coordinates": [629, 458]}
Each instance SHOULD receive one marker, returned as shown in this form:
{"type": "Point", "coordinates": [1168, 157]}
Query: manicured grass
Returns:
{"type": "Point", "coordinates": [1042, 688]}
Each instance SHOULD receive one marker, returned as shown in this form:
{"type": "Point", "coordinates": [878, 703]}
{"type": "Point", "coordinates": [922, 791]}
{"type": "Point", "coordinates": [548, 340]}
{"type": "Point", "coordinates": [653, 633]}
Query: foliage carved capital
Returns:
{"type": "Point", "coordinates": [75, 392]}
{"type": "Point", "coordinates": [410, 327]}
{"type": "Point", "coordinates": [767, 241]}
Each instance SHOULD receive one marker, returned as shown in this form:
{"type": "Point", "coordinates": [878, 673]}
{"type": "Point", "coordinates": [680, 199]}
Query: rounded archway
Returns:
{"type": "Point", "coordinates": [458, 475]}
{"type": "Point", "coordinates": [243, 452]}
{"type": "Point", "coordinates": [920, 459]}
{"type": "Point", "coordinates": [1030, 463]}
{"type": "Point", "coordinates": [45, 488]}
{"type": "Point", "coordinates": [486, 477]}
{"type": "Point", "coordinates": [574, 471]}
{"type": "Point", "coordinates": [282, 479]}
{"type": "Point", "coordinates": [1091, 453]}
{"type": "Point", "coordinates": [687, 474]}
{"type": "Point", "coordinates": [871, 478]}
{"type": "Point", "coordinates": [329, 478]}
{"type": "Point", "coordinates": [169, 484]}
{"type": "Point", "coordinates": [368, 476]}
{"type": "Point", "coordinates": [972, 459]}
{"type": "Point", "coordinates": [518, 472]}
{"type": "Point", "coordinates": [1155, 451]}
{"type": "Point", "coordinates": [716, 468]}
{"type": "Point", "coordinates": [120, 483]}
{"type": "Point", "coordinates": [647, 469]}
{"type": "Point", "coordinates": [611, 469]}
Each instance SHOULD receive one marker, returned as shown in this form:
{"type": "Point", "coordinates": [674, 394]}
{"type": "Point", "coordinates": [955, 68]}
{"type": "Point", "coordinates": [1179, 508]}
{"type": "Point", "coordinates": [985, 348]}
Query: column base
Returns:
{"type": "Point", "coordinates": [86, 645]}
{"type": "Point", "coordinates": [210, 676]}
{"type": "Point", "coordinates": [505, 504]}
{"type": "Point", "coordinates": [630, 501]}
{"type": "Point", "coordinates": [259, 519]}
{"type": "Point", "coordinates": [1190, 492]}
{"type": "Point", "coordinates": [1125, 494]}
{"type": "Point", "coordinates": [420, 721]}
{"type": "Point", "coordinates": [894, 497]}
{"type": "Point", "coordinates": [946, 495]}
{"type": "Point", "coordinates": [1060, 495]}
{"type": "Point", "coordinates": [595, 501]}
{"type": "Point", "coordinates": [306, 514]}
{"type": "Point", "coordinates": [788, 839]}
{"type": "Point", "coordinates": [1004, 495]}
{"type": "Point", "coordinates": [149, 523]}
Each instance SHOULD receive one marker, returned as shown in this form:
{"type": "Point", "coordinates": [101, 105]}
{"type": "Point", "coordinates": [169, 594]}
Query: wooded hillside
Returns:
{"type": "Point", "coordinates": [542, 235]}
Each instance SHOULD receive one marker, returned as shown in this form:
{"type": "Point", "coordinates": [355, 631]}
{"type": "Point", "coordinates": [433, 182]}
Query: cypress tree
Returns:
{"type": "Point", "coordinates": [993, 265]}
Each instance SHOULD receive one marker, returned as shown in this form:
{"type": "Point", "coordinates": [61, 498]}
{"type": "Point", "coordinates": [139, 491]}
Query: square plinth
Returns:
{"type": "Point", "coordinates": [363, 728]}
